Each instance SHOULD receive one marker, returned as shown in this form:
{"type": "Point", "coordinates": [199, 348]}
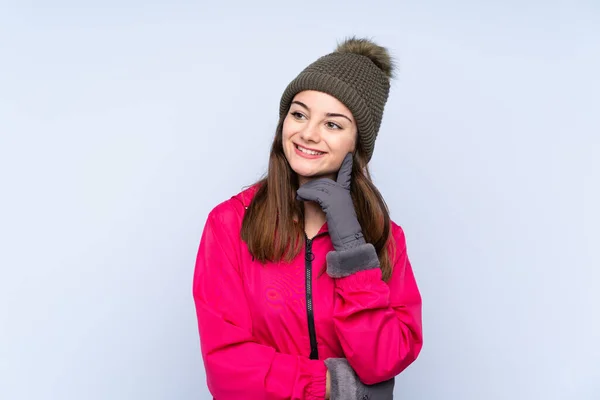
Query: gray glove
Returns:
{"type": "Point", "coordinates": [352, 253]}
{"type": "Point", "coordinates": [345, 384]}
{"type": "Point", "coordinates": [335, 200]}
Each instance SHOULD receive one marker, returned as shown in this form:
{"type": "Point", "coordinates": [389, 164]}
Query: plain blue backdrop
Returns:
{"type": "Point", "coordinates": [122, 123]}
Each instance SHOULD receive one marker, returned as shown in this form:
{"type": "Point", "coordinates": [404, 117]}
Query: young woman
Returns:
{"type": "Point", "coordinates": [302, 285]}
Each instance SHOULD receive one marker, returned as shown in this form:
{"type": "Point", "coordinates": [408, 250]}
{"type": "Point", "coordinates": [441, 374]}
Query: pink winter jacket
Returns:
{"type": "Point", "coordinates": [265, 330]}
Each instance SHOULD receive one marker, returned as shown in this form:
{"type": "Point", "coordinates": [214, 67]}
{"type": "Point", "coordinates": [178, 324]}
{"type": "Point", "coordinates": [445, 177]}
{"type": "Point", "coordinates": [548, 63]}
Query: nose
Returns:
{"type": "Point", "coordinates": [310, 133]}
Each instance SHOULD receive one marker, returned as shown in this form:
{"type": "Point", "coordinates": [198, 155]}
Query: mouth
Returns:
{"type": "Point", "coordinates": [307, 153]}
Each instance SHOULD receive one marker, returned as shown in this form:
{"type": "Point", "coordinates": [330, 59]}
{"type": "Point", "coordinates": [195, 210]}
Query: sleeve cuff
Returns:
{"type": "Point", "coordinates": [316, 389]}
{"type": "Point", "coordinates": [347, 262]}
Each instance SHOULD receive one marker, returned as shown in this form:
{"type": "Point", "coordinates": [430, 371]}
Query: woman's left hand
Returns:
{"type": "Point", "coordinates": [345, 384]}
{"type": "Point", "coordinates": [335, 200]}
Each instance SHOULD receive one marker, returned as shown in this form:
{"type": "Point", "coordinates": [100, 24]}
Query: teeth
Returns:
{"type": "Point", "coordinates": [306, 151]}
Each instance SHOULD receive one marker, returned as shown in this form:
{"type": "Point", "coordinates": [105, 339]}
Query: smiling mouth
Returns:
{"type": "Point", "coordinates": [308, 151]}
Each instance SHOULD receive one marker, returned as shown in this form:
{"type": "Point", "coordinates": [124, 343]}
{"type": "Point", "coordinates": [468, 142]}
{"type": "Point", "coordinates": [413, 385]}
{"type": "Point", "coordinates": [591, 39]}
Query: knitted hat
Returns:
{"type": "Point", "coordinates": [358, 74]}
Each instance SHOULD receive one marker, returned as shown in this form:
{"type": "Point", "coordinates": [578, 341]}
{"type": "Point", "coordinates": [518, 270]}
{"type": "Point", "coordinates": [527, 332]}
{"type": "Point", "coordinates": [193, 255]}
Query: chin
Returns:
{"type": "Point", "coordinates": [304, 171]}
{"type": "Point", "coordinates": [308, 169]}
{"type": "Point", "coordinates": [311, 173]}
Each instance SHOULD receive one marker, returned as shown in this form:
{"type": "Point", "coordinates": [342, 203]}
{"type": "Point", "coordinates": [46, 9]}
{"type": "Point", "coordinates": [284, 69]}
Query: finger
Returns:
{"type": "Point", "coordinates": [345, 172]}
{"type": "Point", "coordinates": [314, 190]}
{"type": "Point", "coordinates": [309, 195]}
{"type": "Point", "coordinates": [307, 192]}
{"type": "Point", "coordinates": [321, 184]}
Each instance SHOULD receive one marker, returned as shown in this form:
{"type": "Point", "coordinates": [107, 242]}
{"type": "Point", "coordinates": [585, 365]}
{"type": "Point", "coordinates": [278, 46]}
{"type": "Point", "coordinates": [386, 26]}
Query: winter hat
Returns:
{"type": "Point", "coordinates": [358, 74]}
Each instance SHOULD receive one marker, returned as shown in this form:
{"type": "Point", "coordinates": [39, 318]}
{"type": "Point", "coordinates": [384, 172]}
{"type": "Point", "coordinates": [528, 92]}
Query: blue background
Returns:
{"type": "Point", "coordinates": [122, 123]}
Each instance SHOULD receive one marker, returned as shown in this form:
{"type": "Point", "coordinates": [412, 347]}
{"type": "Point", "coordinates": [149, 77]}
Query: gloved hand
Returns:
{"type": "Point", "coordinates": [345, 384]}
{"type": "Point", "coordinates": [352, 252]}
{"type": "Point", "coordinates": [335, 200]}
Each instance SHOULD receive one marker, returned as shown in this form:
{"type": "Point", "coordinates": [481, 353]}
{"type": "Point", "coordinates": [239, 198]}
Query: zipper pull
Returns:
{"type": "Point", "coordinates": [309, 255]}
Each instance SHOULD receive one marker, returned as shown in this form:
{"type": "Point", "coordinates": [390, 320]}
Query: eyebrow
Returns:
{"type": "Point", "coordinates": [328, 114]}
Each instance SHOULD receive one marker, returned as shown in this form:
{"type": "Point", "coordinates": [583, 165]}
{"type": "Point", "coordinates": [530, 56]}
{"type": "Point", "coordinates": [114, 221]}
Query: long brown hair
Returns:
{"type": "Point", "coordinates": [273, 225]}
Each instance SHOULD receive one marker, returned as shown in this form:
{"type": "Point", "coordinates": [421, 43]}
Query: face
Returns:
{"type": "Point", "coordinates": [318, 132]}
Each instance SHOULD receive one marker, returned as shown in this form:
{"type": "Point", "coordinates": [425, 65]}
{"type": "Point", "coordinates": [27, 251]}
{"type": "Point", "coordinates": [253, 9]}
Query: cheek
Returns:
{"type": "Point", "coordinates": [346, 142]}
{"type": "Point", "coordinates": [287, 129]}
{"type": "Point", "coordinates": [352, 143]}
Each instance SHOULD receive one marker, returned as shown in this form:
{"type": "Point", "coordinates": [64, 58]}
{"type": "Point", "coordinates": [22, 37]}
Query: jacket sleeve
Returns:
{"type": "Point", "coordinates": [378, 323]}
{"type": "Point", "coordinates": [237, 367]}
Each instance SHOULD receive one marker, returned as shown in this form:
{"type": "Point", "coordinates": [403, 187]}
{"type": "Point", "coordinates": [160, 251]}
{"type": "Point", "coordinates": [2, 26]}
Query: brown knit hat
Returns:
{"type": "Point", "coordinates": [358, 74]}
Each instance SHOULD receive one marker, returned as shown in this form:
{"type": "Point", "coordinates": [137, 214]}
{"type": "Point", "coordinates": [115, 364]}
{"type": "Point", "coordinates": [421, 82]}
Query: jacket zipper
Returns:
{"type": "Point", "coordinates": [309, 257]}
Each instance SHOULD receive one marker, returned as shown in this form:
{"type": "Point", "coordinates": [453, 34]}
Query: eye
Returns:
{"type": "Point", "coordinates": [333, 125]}
{"type": "Point", "coordinates": [297, 115]}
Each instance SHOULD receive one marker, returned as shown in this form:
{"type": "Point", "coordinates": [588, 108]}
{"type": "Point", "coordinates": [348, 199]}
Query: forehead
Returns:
{"type": "Point", "coordinates": [319, 101]}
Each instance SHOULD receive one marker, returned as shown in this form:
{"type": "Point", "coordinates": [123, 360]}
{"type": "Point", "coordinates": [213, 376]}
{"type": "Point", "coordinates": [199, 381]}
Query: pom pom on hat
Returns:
{"type": "Point", "coordinates": [365, 47]}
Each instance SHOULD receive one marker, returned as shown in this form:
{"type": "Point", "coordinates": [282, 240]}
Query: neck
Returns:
{"type": "Point", "coordinates": [314, 218]}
